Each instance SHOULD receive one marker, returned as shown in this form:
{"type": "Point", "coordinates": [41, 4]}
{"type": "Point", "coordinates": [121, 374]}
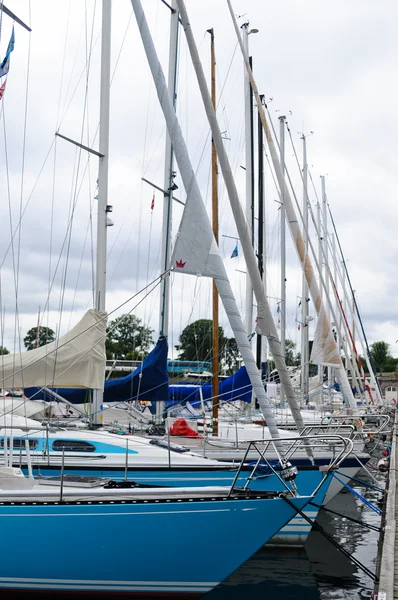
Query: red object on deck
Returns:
{"type": "Point", "coordinates": [181, 427]}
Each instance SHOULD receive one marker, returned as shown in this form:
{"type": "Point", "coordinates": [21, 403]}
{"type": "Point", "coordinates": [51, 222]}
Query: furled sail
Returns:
{"type": "Point", "coordinates": [324, 349]}
{"type": "Point", "coordinates": [149, 381]}
{"type": "Point", "coordinates": [77, 359]}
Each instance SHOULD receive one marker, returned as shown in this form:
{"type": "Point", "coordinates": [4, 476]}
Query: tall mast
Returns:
{"type": "Point", "coordinates": [214, 195]}
{"type": "Point", "coordinates": [260, 235]}
{"type": "Point", "coordinates": [167, 200]}
{"type": "Point", "coordinates": [326, 259]}
{"type": "Point", "coordinates": [248, 95]}
{"type": "Point", "coordinates": [291, 216]}
{"type": "Point", "coordinates": [103, 207]}
{"type": "Point", "coordinates": [304, 286]}
{"type": "Point", "coordinates": [282, 305]}
{"type": "Point", "coordinates": [168, 178]}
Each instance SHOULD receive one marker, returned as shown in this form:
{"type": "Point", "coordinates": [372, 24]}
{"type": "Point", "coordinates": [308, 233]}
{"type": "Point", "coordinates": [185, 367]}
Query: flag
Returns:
{"type": "Point", "coordinates": [153, 201]}
{"type": "Point", "coordinates": [298, 327]}
{"type": "Point", "coordinates": [299, 304]}
{"type": "Point", "coordinates": [278, 310]}
{"type": "Point", "coordinates": [5, 64]}
{"type": "Point", "coordinates": [235, 252]}
{"type": "Point", "coordinates": [2, 89]}
{"type": "Point", "coordinates": [279, 323]}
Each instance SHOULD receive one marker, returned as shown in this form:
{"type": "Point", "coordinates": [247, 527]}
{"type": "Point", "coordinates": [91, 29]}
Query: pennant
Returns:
{"type": "Point", "coordinates": [279, 323]}
{"type": "Point", "coordinates": [299, 327]}
{"type": "Point", "coordinates": [5, 64]}
{"type": "Point", "coordinates": [235, 252]}
{"type": "Point", "coordinates": [278, 310]}
{"type": "Point", "coordinates": [299, 304]}
{"type": "Point", "coordinates": [153, 201]}
{"type": "Point", "coordinates": [2, 89]}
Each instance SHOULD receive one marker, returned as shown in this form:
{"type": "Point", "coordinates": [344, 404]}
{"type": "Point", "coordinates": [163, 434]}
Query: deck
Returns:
{"type": "Point", "coordinates": [387, 587]}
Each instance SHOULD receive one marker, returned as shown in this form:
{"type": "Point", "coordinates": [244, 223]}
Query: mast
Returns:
{"type": "Point", "coordinates": [195, 205]}
{"type": "Point", "coordinates": [214, 195]}
{"type": "Point", "coordinates": [326, 259]}
{"type": "Point", "coordinates": [103, 206]}
{"type": "Point", "coordinates": [167, 199]}
{"type": "Point", "coordinates": [260, 234]}
{"type": "Point", "coordinates": [304, 287]}
{"type": "Point", "coordinates": [265, 322]}
{"type": "Point", "coordinates": [291, 216]}
{"type": "Point", "coordinates": [282, 305]}
{"type": "Point", "coordinates": [248, 96]}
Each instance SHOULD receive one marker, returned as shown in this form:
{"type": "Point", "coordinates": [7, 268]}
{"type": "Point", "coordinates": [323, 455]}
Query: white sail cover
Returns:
{"type": "Point", "coordinates": [77, 359]}
{"type": "Point", "coordinates": [324, 349]}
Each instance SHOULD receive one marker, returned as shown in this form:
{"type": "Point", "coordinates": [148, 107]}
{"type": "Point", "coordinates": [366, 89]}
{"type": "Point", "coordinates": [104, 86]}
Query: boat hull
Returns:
{"type": "Point", "coordinates": [135, 549]}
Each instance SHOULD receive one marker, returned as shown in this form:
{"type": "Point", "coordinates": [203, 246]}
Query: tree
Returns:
{"type": "Point", "coordinates": [46, 335]}
{"type": "Point", "coordinates": [196, 343]}
{"type": "Point", "coordinates": [128, 339]}
{"type": "Point", "coordinates": [292, 358]}
{"type": "Point", "coordinates": [231, 355]}
{"type": "Point", "coordinates": [379, 352]}
{"type": "Point", "coordinates": [3, 350]}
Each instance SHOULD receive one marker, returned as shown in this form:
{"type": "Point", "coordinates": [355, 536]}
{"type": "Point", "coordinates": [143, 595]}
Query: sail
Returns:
{"type": "Point", "coordinates": [235, 387]}
{"type": "Point", "coordinates": [324, 349]}
{"type": "Point", "coordinates": [77, 359]}
{"type": "Point", "coordinates": [149, 381]}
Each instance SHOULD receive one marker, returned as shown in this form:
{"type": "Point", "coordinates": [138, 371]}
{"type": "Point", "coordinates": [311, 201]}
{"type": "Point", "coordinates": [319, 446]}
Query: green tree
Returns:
{"type": "Point", "coordinates": [3, 350]}
{"type": "Point", "coordinates": [292, 358]}
{"type": "Point", "coordinates": [127, 338]}
{"type": "Point", "coordinates": [390, 365]}
{"type": "Point", "coordinates": [379, 352]}
{"type": "Point", "coordinates": [31, 340]}
{"type": "Point", "coordinates": [196, 341]}
{"type": "Point", "coordinates": [230, 355]}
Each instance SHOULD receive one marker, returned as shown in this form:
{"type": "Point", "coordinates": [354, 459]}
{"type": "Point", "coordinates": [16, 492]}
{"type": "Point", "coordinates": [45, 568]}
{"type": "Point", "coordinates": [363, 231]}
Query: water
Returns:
{"type": "Point", "coordinates": [319, 571]}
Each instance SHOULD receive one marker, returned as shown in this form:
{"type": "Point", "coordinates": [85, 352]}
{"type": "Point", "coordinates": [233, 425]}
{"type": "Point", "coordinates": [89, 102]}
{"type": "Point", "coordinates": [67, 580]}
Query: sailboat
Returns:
{"type": "Point", "coordinates": [115, 553]}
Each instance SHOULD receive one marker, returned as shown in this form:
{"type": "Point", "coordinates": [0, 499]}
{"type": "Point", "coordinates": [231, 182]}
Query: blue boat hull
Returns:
{"type": "Point", "coordinates": [135, 548]}
{"type": "Point", "coordinates": [295, 533]}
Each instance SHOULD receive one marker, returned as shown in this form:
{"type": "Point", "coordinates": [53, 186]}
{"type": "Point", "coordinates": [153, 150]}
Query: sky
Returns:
{"type": "Point", "coordinates": [329, 67]}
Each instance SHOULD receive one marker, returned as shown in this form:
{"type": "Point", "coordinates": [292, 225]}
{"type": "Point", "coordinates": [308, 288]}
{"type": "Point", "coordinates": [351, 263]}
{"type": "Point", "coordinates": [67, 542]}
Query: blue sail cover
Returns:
{"type": "Point", "coordinates": [150, 381]}
{"type": "Point", "coordinates": [236, 387]}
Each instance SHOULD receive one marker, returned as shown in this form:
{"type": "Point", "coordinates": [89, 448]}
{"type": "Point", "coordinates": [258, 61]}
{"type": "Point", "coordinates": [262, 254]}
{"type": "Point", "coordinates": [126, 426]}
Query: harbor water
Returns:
{"type": "Point", "coordinates": [319, 571]}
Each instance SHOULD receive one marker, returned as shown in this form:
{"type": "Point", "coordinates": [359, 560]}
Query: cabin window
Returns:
{"type": "Point", "coordinates": [19, 443]}
{"type": "Point", "coordinates": [73, 446]}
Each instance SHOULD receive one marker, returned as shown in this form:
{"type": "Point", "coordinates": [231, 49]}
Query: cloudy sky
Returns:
{"type": "Point", "coordinates": [330, 68]}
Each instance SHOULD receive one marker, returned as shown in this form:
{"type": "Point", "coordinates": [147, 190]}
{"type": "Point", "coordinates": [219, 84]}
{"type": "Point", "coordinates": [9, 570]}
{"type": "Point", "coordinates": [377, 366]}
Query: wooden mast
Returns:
{"type": "Point", "coordinates": [215, 344]}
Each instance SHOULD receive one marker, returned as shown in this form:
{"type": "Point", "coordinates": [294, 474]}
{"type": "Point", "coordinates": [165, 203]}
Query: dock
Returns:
{"type": "Point", "coordinates": [387, 563]}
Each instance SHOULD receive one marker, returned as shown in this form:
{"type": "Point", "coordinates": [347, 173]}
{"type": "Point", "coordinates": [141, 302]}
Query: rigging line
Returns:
{"type": "Point", "coordinates": [149, 251]}
{"type": "Point", "coordinates": [63, 66]}
{"type": "Point", "coordinates": [355, 302]}
{"type": "Point", "coordinates": [62, 247]}
{"type": "Point", "coordinates": [23, 150]}
{"type": "Point", "coordinates": [86, 121]}
{"type": "Point", "coordinates": [310, 207]}
{"type": "Point", "coordinates": [9, 208]}
{"type": "Point", "coordinates": [75, 193]}
{"type": "Point", "coordinates": [22, 179]}
{"type": "Point", "coordinates": [121, 47]}
{"type": "Point", "coordinates": [26, 205]}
